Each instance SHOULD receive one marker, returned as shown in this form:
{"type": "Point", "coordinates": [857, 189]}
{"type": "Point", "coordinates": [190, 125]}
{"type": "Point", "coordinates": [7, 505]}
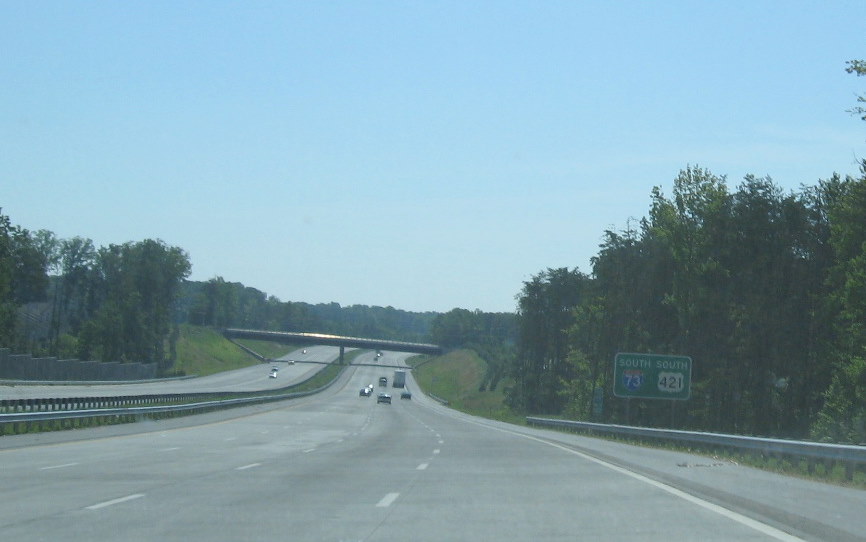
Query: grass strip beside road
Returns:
{"type": "Point", "coordinates": [456, 377]}
{"type": "Point", "coordinates": [203, 351]}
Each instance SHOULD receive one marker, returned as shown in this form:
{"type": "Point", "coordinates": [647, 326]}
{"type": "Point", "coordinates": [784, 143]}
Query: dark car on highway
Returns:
{"type": "Point", "coordinates": [366, 392]}
{"type": "Point", "coordinates": [384, 398]}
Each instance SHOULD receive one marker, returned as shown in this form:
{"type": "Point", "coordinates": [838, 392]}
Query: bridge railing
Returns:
{"type": "Point", "coordinates": [331, 340]}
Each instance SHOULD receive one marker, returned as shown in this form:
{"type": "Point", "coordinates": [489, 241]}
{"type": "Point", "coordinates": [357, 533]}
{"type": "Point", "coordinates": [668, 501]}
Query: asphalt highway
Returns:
{"type": "Point", "coordinates": [254, 378]}
{"type": "Point", "coordinates": [340, 467]}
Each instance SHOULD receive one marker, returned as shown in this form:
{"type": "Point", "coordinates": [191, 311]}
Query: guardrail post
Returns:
{"type": "Point", "coordinates": [849, 470]}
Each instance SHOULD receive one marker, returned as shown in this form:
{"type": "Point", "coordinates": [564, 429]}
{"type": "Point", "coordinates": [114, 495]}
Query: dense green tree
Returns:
{"type": "Point", "coordinates": [858, 67]}
{"type": "Point", "coordinates": [737, 280]}
{"type": "Point", "coordinates": [136, 286]}
{"type": "Point", "coordinates": [7, 266]}
{"type": "Point", "coordinates": [30, 262]}
{"type": "Point", "coordinates": [545, 312]}
{"type": "Point", "coordinates": [456, 327]}
{"type": "Point", "coordinates": [843, 416]}
{"type": "Point", "coordinates": [76, 259]}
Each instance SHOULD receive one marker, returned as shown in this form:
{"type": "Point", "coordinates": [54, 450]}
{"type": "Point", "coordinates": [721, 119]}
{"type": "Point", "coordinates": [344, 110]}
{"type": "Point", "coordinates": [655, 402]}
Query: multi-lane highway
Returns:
{"type": "Point", "coordinates": [340, 467]}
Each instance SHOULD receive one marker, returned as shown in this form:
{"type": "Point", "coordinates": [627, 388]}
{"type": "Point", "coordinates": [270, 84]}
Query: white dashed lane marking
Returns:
{"type": "Point", "coordinates": [387, 500]}
{"type": "Point", "coordinates": [63, 466]}
{"type": "Point", "coordinates": [115, 501]}
{"type": "Point", "coordinates": [250, 466]}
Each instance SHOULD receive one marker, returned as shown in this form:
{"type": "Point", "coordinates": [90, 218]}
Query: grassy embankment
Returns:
{"type": "Point", "coordinates": [202, 351]}
{"type": "Point", "coordinates": [456, 377]}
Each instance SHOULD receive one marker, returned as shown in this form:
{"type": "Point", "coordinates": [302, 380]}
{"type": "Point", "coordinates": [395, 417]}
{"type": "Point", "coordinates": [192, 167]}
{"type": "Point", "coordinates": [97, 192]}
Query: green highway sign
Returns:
{"type": "Point", "coordinates": [652, 376]}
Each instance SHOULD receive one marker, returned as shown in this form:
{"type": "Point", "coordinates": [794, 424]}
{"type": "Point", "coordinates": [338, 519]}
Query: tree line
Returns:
{"type": "Point", "coordinates": [765, 290]}
{"type": "Point", "coordinates": [69, 299]}
{"type": "Point", "coordinates": [222, 304]}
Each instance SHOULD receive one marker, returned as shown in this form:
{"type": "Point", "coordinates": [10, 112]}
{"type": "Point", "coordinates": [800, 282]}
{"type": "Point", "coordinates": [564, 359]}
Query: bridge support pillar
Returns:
{"type": "Point", "coordinates": [342, 351]}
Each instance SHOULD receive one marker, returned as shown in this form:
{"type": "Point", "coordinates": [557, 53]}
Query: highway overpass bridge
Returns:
{"type": "Point", "coordinates": [286, 337]}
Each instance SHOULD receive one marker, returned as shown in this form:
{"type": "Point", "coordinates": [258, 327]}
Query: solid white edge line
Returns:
{"type": "Point", "coordinates": [730, 514]}
{"type": "Point", "coordinates": [387, 500]}
{"type": "Point", "coordinates": [115, 501]}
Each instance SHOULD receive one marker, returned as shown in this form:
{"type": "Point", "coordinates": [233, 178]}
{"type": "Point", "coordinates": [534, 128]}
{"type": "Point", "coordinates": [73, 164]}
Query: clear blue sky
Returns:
{"type": "Point", "coordinates": [423, 155]}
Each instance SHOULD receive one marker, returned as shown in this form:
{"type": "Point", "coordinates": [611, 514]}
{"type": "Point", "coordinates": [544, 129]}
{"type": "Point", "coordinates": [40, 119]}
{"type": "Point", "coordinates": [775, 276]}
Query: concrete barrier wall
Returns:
{"type": "Point", "coordinates": [26, 367]}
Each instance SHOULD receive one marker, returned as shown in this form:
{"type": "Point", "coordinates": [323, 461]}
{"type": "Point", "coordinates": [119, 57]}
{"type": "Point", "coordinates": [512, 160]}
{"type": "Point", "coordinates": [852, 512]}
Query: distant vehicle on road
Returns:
{"type": "Point", "coordinates": [383, 381]}
{"type": "Point", "coordinates": [399, 378]}
{"type": "Point", "coordinates": [273, 373]}
{"type": "Point", "coordinates": [366, 392]}
{"type": "Point", "coordinates": [406, 394]}
{"type": "Point", "coordinates": [383, 398]}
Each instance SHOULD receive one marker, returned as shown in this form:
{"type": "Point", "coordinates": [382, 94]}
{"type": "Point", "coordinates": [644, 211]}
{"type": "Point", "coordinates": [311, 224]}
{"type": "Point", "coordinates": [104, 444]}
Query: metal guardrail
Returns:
{"type": "Point", "coordinates": [850, 456]}
{"type": "Point", "coordinates": [33, 410]}
{"type": "Point", "coordinates": [14, 382]}
{"type": "Point", "coordinates": [139, 411]}
{"type": "Point", "coordinates": [438, 399]}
